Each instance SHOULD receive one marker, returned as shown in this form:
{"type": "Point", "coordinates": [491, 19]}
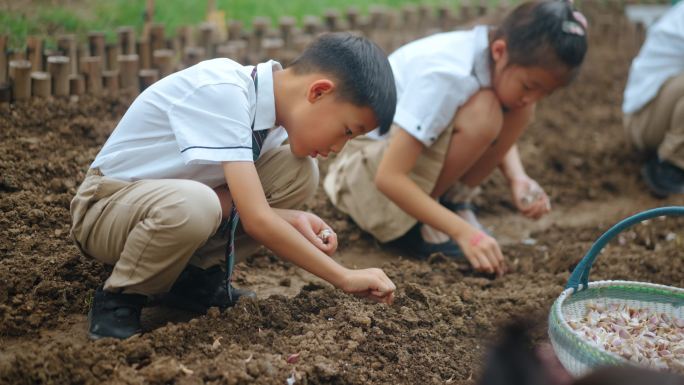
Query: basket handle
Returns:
{"type": "Point", "coordinates": [579, 278]}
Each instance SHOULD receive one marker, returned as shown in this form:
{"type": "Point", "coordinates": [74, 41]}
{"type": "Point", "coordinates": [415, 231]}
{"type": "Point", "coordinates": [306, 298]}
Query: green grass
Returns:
{"type": "Point", "coordinates": [49, 19]}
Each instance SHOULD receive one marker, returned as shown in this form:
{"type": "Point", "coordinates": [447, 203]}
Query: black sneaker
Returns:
{"type": "Point", "coordinates": [662, 177]}
{"type": "Point", "coordinates": [197, 290]}
{"type": "Point", "coordinates": [413, 243]}
{"type": "Point", "coordinates": [115, 315]}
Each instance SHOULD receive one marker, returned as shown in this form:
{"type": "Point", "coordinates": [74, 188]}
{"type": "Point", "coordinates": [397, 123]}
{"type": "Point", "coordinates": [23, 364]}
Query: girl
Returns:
{"type": "Point", "coordinates": [464, 98]}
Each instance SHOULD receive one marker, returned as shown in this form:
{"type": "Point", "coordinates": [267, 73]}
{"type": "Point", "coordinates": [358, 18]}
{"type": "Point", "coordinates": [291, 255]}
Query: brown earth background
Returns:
{"type": "Point", "coordinates": [444, 316]}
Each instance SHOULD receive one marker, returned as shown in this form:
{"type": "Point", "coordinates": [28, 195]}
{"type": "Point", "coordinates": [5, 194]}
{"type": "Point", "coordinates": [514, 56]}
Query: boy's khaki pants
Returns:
{"type": "Point", "coordinates": [659, 126]}
{"type": "Point", "coordinates": [151, 229]}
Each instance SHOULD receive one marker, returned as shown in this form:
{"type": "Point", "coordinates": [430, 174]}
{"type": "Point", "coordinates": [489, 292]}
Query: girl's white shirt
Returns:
{"type": "Point", "coordinates": [435, 76]}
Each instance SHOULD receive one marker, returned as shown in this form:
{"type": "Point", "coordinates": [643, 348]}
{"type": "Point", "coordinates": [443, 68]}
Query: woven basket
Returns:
{"type": "Point", "coordinates": [578, 355]}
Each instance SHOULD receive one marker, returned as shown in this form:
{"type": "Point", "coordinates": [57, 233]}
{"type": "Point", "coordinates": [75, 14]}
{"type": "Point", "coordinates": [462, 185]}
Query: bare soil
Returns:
{"type": "Point", "coordinates": [444, 315]}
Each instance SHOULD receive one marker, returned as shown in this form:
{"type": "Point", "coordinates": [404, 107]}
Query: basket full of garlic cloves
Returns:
{"type": "Point", "coordinates": [618, 322]}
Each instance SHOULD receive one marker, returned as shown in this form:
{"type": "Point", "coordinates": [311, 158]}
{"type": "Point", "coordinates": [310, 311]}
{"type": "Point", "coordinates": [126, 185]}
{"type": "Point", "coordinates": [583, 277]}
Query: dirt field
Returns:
{"type": "Point", "coordinates": [444, 315]}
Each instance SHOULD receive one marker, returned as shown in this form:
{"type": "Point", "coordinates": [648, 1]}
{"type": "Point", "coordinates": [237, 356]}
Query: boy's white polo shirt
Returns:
{"type": "Point", "coordinates": [187, 124]}
{"type": "Point", "coordinates": [660, 58]}
{"type": "Point", "coordinates": [435, 76]}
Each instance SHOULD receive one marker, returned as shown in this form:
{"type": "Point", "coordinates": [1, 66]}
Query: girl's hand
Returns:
{"type": "Point", "coordinates": [530, 198]}
{"type": "Point", "coordinates": [370, 283]}
{"type": "Point", "coordinates": [482, 251]}
{"type": "Point", "coordinates": [316, 231]}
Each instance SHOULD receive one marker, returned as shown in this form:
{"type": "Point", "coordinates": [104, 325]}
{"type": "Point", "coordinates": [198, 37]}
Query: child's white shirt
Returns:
{"type": "Point", "coordinates": [435, 76]}
{"type": "Point", "coordinates": [188, 123]}
{"type": "Point", "coordinates": [660, 58]}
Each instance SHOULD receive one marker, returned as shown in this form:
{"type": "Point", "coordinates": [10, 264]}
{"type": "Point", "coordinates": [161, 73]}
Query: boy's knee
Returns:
{"type": "Point", "coordinates": [194, 212]}
{"type": "Point", "coordinates": [481, 116]}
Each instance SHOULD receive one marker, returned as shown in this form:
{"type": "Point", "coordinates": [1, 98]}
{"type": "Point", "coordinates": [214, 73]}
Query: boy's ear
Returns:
{"type": "Point", "coordinates": [319, 88]}
{"type": "Point", "coordinates": [499, 50]}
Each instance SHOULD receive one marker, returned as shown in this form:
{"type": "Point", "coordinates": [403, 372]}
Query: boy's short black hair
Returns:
{"type": "Point", "coordinates": [363, 73]}
{"type": "Point", "coordinates": [544, 33]}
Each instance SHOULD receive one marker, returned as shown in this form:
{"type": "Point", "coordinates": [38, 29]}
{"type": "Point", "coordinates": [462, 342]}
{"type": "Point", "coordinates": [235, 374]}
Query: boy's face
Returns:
{"type": "Point", "coordinates": [517, 86]}
{"type": "Point", "coordinates": [323, 123]}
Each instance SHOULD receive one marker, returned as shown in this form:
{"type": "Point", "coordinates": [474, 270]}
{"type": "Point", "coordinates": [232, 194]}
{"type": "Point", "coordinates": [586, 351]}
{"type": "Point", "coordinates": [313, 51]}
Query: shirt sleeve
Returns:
{"type": "Point", "coordinates": [429, 102]}
{"type": "Point", "coordinates": [212, 124]}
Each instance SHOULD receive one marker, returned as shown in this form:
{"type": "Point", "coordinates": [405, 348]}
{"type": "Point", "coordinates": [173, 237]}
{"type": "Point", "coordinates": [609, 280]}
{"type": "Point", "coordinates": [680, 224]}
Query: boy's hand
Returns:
{"type": "Point", "coordinates": [314, 229]}
{"type": "Point", "coordinates": [483, 252]}
{"type": "Point", "coordinates": [530, 198]}
{"type": "Point", "coordinates": [369, 283]}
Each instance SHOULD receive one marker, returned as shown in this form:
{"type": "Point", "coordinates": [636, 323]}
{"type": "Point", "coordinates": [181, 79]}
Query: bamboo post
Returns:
{"type": "Point", "coordinates": [20, 75]}
{"type": "Point", "coordinates": [126, 40]}
{"type": "Point", "coordinates": [76, 84]}
{"type": "Point", "coordinates": [394, 34]}
{"type": "Point", "coordinates": [482, 7]}
{"type": "Point", "coordinates": [41, 84]}
{"type": "Point", "coordinates": [227, 51]}
{"type": "Point", "coordinates": [147, 77]}
{"type": "Point", "coordinates": [312, 25]}
{"type": "Point", "coordinates": [353, 18]}
{"type": "Point", "coordinates": [58, 67]}
{"type": "Point", "coordinates": [364, 25]}
{"type": "Point", "coordinates": [273, 48]}
{"type": "Point", "coordinates": [287, 25]}
{"type": "Point", "coordinates": [444, 17]}
{"type": "Point", "coordinates": [192, 56]}
{"type": "Point", "coordinates": [504, 5]}
{"type": "Point", "coordinates": [183, 38]}
{"type": "Point", "coordinates": [332, 20]}
{"type": "Point", "coordinates": [147, 19]}
{"type": "Point", "coordinates": [409, 23]}
{"type": "Point", "coordinates": [466, 13]}
{"type": "Point", "coordinates": [144, 53]}
{"type": "Point", "coordinates": [92, 69]}
{"type": "Point", "coordinates": [207, 32]}
{"type": "Point", "coordinates": [111, 82]}
{"type": "Point", "coordinates": [302, 41]}
{"type": "Point", "coordinates": [378, 17]}
{"type": "Point", "coordinates": [112, 56]}
{"type": "Point", "coordinates": [162, 60]}
{"type": "Point", "coordinates": [96, 44]}
{"type": "Point", "coordinates": [240, 47]}
{"type": "Point", "coordinates": [259, 27]}
{"type": "Point", "coordinates": [424, 19]}
{"type": "Point", "coordinates": [67, 45]}
{"type": "Point", "coordinates": [3, 59]}
{"type": "Point", "coordinates": [34, 49]}
{"type": "Point", "coordinates": [157, 39]}
{"type": "Point", "coordinates": [234, 30]}
{"type": "Point", "coordinates": [128, 73]}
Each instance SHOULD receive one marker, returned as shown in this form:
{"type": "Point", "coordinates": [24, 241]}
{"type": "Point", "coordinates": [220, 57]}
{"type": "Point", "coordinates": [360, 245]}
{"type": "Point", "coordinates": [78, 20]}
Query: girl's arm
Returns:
{"type": "Point", "coordinates": [393, 180]}
{"type": "Point", "coordinates": [528, 196]}
{"type": "Point", "coordinates": [511, 165]}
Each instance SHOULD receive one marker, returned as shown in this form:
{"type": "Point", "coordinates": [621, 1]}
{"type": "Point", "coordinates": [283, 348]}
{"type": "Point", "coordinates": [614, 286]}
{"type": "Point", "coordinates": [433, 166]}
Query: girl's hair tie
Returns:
{"type": "Point", "coordinates": [573, 28]}
{"type": "Point", "coordinates": [580, 19]}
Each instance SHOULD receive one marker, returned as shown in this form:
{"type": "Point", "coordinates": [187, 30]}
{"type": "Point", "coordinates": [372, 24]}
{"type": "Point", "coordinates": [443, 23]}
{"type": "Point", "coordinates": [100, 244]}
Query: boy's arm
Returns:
{"type": "Point", "coordinates": [528, 196]}
{"type": "Point", "coordinates": [312, 228]}
{"type": "Point", "coordinates": [392, 179]}
{"type": "Point", "coordinates": [262, 223]}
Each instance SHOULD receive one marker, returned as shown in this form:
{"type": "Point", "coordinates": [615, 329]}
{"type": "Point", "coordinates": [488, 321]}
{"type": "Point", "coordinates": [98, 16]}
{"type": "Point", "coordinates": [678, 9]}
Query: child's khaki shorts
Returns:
{"type": "Point", "coordinates": [351, 188]}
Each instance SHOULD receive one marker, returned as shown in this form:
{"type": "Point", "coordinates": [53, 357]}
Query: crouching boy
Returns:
{"type": "Point", "coordinates": [202, 149]}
